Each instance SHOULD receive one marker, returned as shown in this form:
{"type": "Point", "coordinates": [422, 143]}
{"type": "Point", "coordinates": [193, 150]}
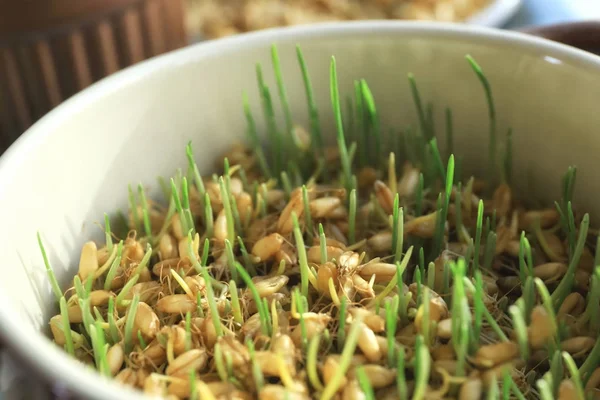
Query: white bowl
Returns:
{"type": "Point", "coordinates": [76, 162]}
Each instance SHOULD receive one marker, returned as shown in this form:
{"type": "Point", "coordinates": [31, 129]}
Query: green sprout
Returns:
{"type": "Point", "coordinates": [49, 271]}
{"type": "Point", "coordinates": [478, 235]}
{"type": "Point", "coordinates": [225, 194]}
{"type": "Point", "coordinates": [349, 347]}
{"type": "Point", "coordinates": [235, 303]}
{"type": "Point", "coordinates": [112, 326]}
{"type": "Point", "coordinates": [311, 363]}
{"type": "Point", "coordinates": [145, 211]}
{"type": "Point", "coordinates": [302, 258]}
{"type": "Point", "coordinates": [335, 101]}
{"type": "Point", "coordinates": [364, 383]}
{"type": "Point", "coordinates": [133, 208]}
{"type": "Point", "coordinates": [262, 310]}
{"type": "Point", "coordinates": [422, 368]}
{"type": "Point", "coordinates": [397, 229]}
{"type": "Point", "coordinates": [66, 326]}
{"type": "Point", "coordinates": [566, 283]}
{"type": "Point", "coordinates": [313, 110]}
{"type": "Point", "coordinates": [274, 136]}
{"type": "Point", "coordinates": [352, 218]}
{"type": "Point", "coordinates": [129, 323]}
{"type": "Point", "coordinates": [307, 215]}
{"type": "Point", "coordinates": [112, 271]}
{"type": "Point", "coordinates": [492, 115]}
{"type": "Point", "coordinates": [373, 117]}
{"type": "Point", "coordinates": [253, 136]}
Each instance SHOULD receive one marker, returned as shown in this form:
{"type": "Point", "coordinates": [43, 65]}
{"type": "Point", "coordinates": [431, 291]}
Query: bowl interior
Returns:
{"type": "Point", "coordinates": [76, 163]}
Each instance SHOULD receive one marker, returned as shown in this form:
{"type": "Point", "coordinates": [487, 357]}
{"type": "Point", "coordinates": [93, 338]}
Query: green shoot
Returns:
{"type": "Point", "coordinates": [256, 371]}
{"type": "Point", "coordinates": [193, 387]}
{"type": "Point", "coordinates": [360, 126]}
{"type": "Point", "coordinates": [478, 235]}
{"type": "Point", "coordinates": [490, 250]}
{"type": "Point", "coordinates": [66, 327]}
{"type": "Point", "coordinates": [322, 244]}
{"type": "Point", "coordinates": [235, 303]}
{"type": "Point", "coordinates": [112, 326]}
{"type": "Point", "coordinates": [478, 308]}
{"type": "Point", "coordinates": [219, 364]}
{"type": "Point", "coordinates": [449, 133]}
{"type": "Point", "coordinates": [195, 172]}
{"type": "Point", "coordinates": [506, 384]}
{"type": "Point", "coordinates": [281, 88]}
{"type": "Point", "coordinates": [49, 271]}
{"type": "Point", "coordinates": [520, 329]}
{"type": "Point", "coordinates": [349, 348]}
{"type": "Point", "coordinates": [98, 344]}
{"type": "Point", "coordinates": [205, 253]}
{"type": "Point", "coordinates": [208, 216]}
{"type": "Point", "coordinates": [437, 158]}
{"type": "Point", "coordinates": [391, 323]}
{"type": "Point", "coordinates": [364, 383]}
{"type": "Point", "coordinates": [352, 218]}
{"type": "Point", "coordinates": [593, 301]}
{"type": "Point", "coordinates": [443, 215]}
{"type": "Point", "coordinates": [141, 340]}
{"type": "Point", "coordinates": [565, 285]}
{"type": "Point", "coordinates": [286, 185]}
{"type": "Point", "coordinates": [178, 207]}
{"type": "Point", "coordinates": [397, 229]}
{"type": "Point", "coordinates": [299, 304]}
{"type": "Point", "coordinates": [230, 260]}
{"type": "Point", "coordinates": [419, 106]}
{"type": "Point", "coordinates": [544, 390]}
{"type": "Point", "coordinates": [493, 391]}
{"type": "Point", "coordinates": [246, 257]}
{"type": "Point", "coordinates": [335, 101]}
{"type": "Point", "coordinates": [548, 303]}
{"type": "Point", "coordinates": [210, 294]}
{"type": "Point", "coordinates": [316, 139]}
{"type": "Point", "coordinates": [112, 271]}
{"type": "Point", "coordinates": [302, 258]}
{"type": "Point", "coordinates": [307, 215]}
{"type": "Point", "coordinates": [369, 103]}
{"type": "Point", "coordinates": [129, 322]}
{"type": "Point", "coordinates": [133, 208]}
{"type": "Point", "coordinates": [492, 115]}
{"type": "Point", "coordinates": [556, 372]}
{"type": "Point", "coordinates": [274, 137]}
{"type": "Point", "coordinates": [401, 375]}
{"type": "Point", "coordinates": [108, 233]}
{"type": "Point", "coordinates": [591, 362]}
{"type": "Point", "coordinates": [228, 211]}
{"type": "Point", "coordinates": [341, 336]}
{"type": "Point", "coordinates": [263, 313]}
{"type": "Point", "coordinates": [422, 368]}
{"type": "Point", "coordinates": [311, 363]}
{"type": "Point", "coordinates": [145, 211]}
{"type": "Point", "coordinates": [574, 372]}
{"type": "Point", "coordinates": [253, 136]}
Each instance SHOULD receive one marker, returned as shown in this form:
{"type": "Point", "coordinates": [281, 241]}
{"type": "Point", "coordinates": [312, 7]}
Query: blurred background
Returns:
{"type": "Point", "coordinates": [52, 49]}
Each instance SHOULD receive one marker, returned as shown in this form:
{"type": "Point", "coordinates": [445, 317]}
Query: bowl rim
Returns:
{"type": "Point", "coordinates": [39, 353]}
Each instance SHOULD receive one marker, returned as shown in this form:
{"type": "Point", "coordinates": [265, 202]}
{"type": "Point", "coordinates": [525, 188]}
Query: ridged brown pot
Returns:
{"type": "Point", "coordinates": [51, 49]}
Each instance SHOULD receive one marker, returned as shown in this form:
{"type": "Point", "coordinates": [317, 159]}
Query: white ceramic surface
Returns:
{"type": "Point", "coordinates": [76, 162]}
{"type": "Point", "coordinates": [496, 14]}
